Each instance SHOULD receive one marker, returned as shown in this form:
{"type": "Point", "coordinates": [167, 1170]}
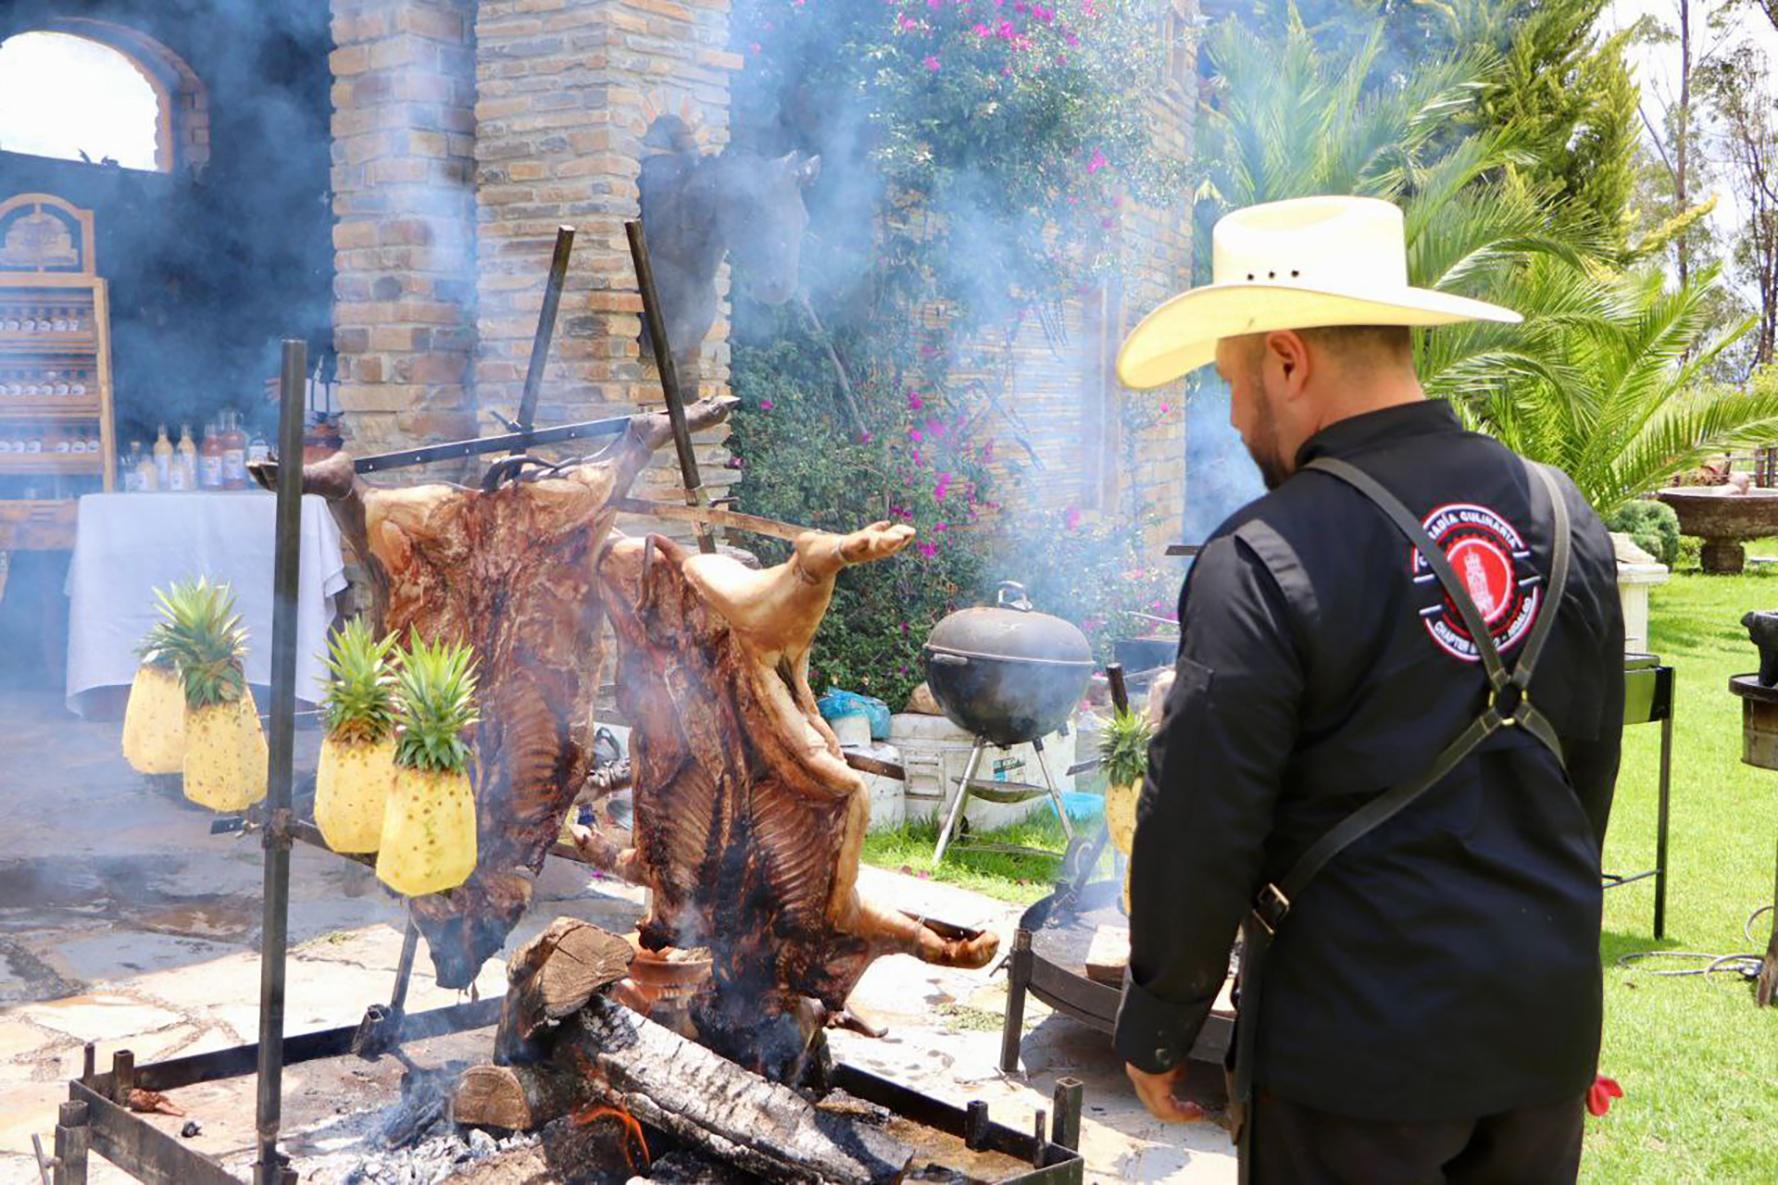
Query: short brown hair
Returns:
{"type": "Point", "coordinates": [1389, 340]}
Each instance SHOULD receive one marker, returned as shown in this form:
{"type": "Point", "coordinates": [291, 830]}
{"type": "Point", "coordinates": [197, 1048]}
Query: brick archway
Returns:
{"type": "Point", "coordinates": [183, 132]}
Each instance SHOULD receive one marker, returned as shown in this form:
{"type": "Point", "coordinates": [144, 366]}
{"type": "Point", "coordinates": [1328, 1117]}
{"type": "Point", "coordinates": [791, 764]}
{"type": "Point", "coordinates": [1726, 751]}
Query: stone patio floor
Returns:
{"type": "Point", "coordinates": [125, 923]}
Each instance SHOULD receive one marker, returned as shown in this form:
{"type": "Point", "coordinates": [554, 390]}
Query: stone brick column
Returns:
{"type": "Point", "coordinates": [566, 90]}
{"type": "Point", "coordinates": [404, 200]}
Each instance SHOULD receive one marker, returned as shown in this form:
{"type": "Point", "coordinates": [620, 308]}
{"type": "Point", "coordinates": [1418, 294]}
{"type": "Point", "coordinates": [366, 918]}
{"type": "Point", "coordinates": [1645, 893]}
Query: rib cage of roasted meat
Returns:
{"type": "Point", "coordinates": [509, 570]}
{"type": "Point", "coordinates": [749, 822]}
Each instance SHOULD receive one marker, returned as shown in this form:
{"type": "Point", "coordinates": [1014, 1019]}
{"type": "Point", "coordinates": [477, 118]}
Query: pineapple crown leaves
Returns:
{"type": "Point", "coordinates": [1123, 747]}
{"type": "Point", "coordinates": [203, 639]}
{"type": "Point", "coordinates": [360, 704]}
{"type": "Point", "coordinates": [436, 706]}
{"type": "Point", "coordinates": [154, 650]}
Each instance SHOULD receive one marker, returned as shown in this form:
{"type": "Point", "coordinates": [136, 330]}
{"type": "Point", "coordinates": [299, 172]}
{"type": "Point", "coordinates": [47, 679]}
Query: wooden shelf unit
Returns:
{"type": "Point", "coordinates": [55, 371]}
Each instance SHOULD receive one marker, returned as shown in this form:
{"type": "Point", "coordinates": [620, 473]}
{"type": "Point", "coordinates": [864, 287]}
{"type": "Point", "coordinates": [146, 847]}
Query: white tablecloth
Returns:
{"type": "Point", "coordinates": [128, 545]}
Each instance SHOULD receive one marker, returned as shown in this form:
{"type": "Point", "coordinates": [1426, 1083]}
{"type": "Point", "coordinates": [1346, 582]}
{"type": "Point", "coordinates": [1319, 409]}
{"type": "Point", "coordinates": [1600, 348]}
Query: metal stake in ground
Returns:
{"type": "Point", "coordinates": [663, 358]}
{"type": "Point", "coordinates": [271, 1168]}
{"type": "Point", "coordinates": [546, 329]}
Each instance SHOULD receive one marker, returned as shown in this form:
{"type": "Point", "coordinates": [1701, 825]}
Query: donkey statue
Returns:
{"type": "Point", "coordinates": [696, 208]}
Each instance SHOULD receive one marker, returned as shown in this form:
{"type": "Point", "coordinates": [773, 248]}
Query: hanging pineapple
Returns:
{"type": "Point", "coordinates": [357, 764]}
{"type": "Point", "coordinates": [1123, 756]}
{"type": "Point", "coordinates": [154, 719]}
{"type": "Point", "coordinates": [428, 839]}
{"type": "Point", "coordinates": [225, 748]}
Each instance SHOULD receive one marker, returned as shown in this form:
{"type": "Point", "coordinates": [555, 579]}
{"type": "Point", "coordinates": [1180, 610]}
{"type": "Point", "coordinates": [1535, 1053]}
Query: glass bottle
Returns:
{"type": "Point", "coordinates": [163, 460]}
{"type": "Point", "coordinates": [234, 452]}
{"type": "Point", "coordinates": [210, 459]}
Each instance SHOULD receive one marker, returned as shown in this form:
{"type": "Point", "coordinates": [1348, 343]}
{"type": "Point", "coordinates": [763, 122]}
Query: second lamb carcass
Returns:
{"type": "Point", "coordinates": [748, 821]}
{"type": "Point", "coordinates": [508, 570]}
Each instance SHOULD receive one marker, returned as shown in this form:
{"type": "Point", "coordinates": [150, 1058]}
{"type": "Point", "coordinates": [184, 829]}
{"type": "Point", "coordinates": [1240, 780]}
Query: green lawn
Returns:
{"type": "Point", "coordinates": [1698, 1063]}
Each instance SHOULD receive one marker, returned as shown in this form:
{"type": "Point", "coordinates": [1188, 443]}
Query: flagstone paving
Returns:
{"type": "Point", "coordinates": [124, 922]}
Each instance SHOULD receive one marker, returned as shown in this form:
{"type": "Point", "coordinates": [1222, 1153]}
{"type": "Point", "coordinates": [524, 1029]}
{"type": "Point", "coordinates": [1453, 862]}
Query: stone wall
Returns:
{"type": "Point", "coordinates": [404, 203]}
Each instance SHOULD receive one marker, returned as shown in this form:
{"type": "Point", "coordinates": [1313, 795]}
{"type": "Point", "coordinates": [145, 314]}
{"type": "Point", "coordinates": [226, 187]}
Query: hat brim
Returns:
{"type": "Point", "coordinates": [1181, 335]}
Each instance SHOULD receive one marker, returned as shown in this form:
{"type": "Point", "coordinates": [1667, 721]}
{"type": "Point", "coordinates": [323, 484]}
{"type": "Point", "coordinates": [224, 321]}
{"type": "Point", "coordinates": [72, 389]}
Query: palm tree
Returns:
{"type": "Point", "coordinates": [1604, 377]}
{"type": "Point", "coordinates": [1626, 405]}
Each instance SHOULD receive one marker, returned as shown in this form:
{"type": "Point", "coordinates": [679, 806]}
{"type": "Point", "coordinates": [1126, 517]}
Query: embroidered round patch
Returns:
{"type": "Point", "coordinates": [1490, 558]}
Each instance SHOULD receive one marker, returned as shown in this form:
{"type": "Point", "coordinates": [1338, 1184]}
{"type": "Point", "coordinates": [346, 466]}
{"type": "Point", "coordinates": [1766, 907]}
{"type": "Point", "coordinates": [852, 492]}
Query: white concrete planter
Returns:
{"type": "Point", "coordinates": [1637, 572]}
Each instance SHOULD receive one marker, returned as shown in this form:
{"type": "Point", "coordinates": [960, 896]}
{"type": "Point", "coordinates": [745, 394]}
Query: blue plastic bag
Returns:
{"type": "Point", "coordinates": [836, 703]}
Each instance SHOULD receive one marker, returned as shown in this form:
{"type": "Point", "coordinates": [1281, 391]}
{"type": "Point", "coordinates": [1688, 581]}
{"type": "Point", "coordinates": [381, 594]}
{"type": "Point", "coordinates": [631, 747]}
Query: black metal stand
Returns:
{"type": "Point", "coordinates": [1066, 988]}
{"type": "Point", "coordinates": [1650, 700]}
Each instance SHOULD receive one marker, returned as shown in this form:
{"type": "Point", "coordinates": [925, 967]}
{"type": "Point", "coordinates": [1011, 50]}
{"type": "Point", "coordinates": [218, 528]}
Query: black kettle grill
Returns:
{"type": "Point", "coordinates": [1010, 676]}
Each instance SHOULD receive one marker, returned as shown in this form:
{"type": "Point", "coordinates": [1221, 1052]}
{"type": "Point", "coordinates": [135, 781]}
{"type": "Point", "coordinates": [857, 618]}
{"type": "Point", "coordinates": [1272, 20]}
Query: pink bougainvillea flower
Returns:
{"type": "Point", "coordinates": [1040, 13]}
{"type": "Point", "coordinates": [927, 549]}
{"type": "Point", "coordinates": [935, 428]}
{"type": "Point", "coordinates": [766, 405]}
{"type": "Point", "coordinates": [1165, 408]}
{"type": "Point", "coordinates": [931, 63]}
{"type": "Point", "coordinates": [915, 403]}
{"type": "Point", "coordinates": [1071, 40]}
{"type": "Point", "coordinates": [1600, 1094]}
{"type": "Point", "coordinates": [1096, 162]}
{"type": "Point", "coordinates": [915, 435]}
{"type": "Point", "coordinates": [940, 527]}
{"type": "Point", "coordinates": [1071, 519]}
{"type": "Point", "coordinates": [981, 30]}
{"type": "Point", "coordinates": [865, 437]}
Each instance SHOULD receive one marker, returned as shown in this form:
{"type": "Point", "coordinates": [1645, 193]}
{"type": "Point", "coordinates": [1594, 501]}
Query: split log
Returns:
{"type": "Point", "coordinates": [708, 1102]}
{"type": "Point", "coordinates": [552, 976]}
{"type": "Point", "coordinates": [519, 1098]}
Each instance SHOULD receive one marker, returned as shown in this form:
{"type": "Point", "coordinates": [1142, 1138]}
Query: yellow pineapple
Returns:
{"type": "Point", "coordinates": [357, 766]}
{"type": "Point", "coordinates": [1123, 758]}
{"type": "Point", "coordinates": [154, 719]}
{"type": "Point", "coordinates": [428, 841]}
{"type": "Point", "coordinates": [225, 747]}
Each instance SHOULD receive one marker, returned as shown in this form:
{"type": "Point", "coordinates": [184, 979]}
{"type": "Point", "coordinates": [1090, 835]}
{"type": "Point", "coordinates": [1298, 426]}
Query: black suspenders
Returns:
{"type": "Point", "coordinates": [1509, 706]}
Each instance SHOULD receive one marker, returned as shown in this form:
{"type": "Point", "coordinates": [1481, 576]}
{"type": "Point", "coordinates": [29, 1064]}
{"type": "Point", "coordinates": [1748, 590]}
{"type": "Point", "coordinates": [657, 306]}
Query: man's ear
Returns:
{"type": "Point", "coordinates": [1287, 351]}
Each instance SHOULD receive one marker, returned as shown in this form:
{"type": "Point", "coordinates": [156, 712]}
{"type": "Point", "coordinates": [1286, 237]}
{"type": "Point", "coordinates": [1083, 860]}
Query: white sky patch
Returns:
{"type": "Point", "coordinates": [1657, 66]}
{"type": "Point", "coordinates": [61, 95]}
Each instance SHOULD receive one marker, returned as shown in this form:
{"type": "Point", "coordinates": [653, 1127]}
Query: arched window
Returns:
{"type": "Point", "coordinates": [90, 90]}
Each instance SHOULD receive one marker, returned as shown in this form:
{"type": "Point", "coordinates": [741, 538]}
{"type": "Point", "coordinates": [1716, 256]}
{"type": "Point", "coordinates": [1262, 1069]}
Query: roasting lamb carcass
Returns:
{"type": "Point", "coordinates": [748, 821]}
{"type": "Point", "coordinates": [510, 571]}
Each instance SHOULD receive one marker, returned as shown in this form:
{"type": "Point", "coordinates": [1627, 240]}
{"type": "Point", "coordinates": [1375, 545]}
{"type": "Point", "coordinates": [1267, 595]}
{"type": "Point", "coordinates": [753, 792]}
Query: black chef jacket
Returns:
{"type": "Point", "coordinates": [1447, 964]}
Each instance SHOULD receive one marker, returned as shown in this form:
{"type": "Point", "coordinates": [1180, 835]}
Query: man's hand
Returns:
{"type": "Point", "coordinates": [1158, 1093]}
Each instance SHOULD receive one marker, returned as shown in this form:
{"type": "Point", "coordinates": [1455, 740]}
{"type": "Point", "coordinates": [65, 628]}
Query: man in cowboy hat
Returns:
{"type": "Point", "coordinates": [1389, 750]}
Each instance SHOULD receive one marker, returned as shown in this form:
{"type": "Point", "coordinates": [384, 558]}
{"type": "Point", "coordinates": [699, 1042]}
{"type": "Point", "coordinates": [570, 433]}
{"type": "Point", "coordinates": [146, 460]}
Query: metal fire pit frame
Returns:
{"type": "Point", "coordinates": [96, 1120]}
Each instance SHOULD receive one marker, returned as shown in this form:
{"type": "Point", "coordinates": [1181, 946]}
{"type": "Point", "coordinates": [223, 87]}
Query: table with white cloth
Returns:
{"type": "Point", "coordinates": [128, 545]}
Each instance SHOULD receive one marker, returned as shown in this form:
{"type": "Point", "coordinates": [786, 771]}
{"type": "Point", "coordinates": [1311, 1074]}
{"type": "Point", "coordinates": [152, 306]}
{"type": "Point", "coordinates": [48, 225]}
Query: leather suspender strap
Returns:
{"type": "Point", "coordinates": [1508, 689]}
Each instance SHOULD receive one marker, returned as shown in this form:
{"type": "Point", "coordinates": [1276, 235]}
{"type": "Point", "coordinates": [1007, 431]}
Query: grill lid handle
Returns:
{"type": "Point", "coordinates": [943, 659]}
{"type": "Point", "coordinates": [1010, 594]}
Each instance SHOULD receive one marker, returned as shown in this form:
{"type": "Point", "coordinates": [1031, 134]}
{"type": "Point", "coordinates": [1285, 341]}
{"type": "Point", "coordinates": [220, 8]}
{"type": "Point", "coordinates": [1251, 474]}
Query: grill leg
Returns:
{"type": "Point", "coordinates": [962, 795]}
{"type": "Point", "coordinates": [1055, 795]}
{"type": "Point", "coordinates": [1661, 828]}
{"type": "Point", "coordinates": [1018, 977]}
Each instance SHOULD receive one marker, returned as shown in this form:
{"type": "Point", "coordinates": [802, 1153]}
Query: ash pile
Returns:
{"type": "Point", "coordinates": [598, 1079]}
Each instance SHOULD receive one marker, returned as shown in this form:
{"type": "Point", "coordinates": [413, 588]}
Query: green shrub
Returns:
{"type": "Point", "coordinates": [1652, 525]}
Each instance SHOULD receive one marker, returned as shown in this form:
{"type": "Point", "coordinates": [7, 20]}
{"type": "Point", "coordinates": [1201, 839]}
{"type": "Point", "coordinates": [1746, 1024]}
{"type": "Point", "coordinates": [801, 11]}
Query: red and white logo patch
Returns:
{"type": "Point", "coordinates": [1491, 560]}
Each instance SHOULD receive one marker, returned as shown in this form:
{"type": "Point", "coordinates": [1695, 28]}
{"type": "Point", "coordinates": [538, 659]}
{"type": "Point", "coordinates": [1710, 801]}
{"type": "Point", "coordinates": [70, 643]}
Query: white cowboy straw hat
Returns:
{"type": "Point", "coordinates": [1298, 264]}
